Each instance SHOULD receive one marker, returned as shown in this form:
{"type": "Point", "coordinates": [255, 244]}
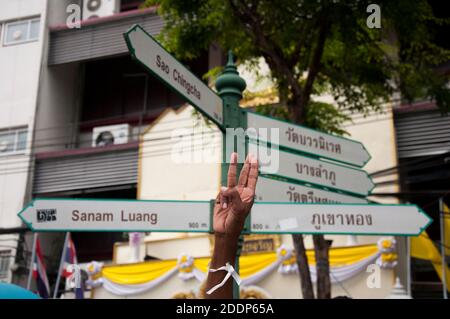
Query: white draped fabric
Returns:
{"type": "Point", "coordinates": [261, 274]}
{"type": "Point", "coordinates": [284, 262]}
{"type": "Point", "coordinates": [129, 290]}
{"type": "Point", "coordinates": [339, 274]}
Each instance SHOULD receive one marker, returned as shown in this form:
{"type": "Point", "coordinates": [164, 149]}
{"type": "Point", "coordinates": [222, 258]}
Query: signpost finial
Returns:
{"type": "Point", "coordinates": [230, 61]}
{"type": "Point", "coordinates": [229, 83]}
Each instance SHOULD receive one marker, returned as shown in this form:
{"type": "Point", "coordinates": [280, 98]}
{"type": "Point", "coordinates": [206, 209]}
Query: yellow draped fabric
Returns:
{"type": "Point", "coordinates": [138, 273]}
{"type": "Point", "coordinates": [423, 248]}
{"type": "Point", "coordinates": [202, 263]}
{"type": "Point", "coordinates": [343, 256]}
{"type": "Point", "coordinates": [447, 229]}
{"type": "Point", "coordinates": [249, 264]}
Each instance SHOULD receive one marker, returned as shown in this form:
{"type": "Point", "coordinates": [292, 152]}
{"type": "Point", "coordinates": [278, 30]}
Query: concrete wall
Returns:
{"type": "Point", "coordinates": [57, 113]}
{"type": "Point", "coordinates": [59, 93]}
{"type": "Point", "coordinates": [197, 245]}
{"type": "Point", "coordinates": [376, 132]}
{"type": "Point", "coordinates": [58, 15]}
{"type": "Point", "coordinates": [177, 165]}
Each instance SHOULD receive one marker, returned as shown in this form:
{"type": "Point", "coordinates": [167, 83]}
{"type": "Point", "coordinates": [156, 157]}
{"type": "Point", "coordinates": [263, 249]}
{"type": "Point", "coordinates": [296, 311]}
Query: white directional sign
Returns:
{"type": "Point", "coordinates": [157, 60]}
{"type": "Point", "coordinates": [270, 190]}
{"type": "Point", "coordinates": [310, 141]}
{"type": "Point", "coordinates": [338, 219]}
{"type": "Point", "coordinates": [309, 170]}
{"type": "Point", "coordinates": [78, 215]}
{"type": "Point", "coordinates": [116, 215]}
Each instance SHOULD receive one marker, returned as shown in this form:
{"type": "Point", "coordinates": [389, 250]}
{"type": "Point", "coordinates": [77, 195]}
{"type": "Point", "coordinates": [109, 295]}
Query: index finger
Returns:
{"type": "Point", "coordinates": [232, 170]}
{"type": "Point", "coordinates": [253, 175]}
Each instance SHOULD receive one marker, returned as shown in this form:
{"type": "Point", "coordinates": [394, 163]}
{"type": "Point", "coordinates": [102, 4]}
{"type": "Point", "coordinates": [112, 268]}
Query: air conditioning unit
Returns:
{"type": "Point", "coordinates": [99, 8]}
{"type": "Point", "coordinates": [111, 134]}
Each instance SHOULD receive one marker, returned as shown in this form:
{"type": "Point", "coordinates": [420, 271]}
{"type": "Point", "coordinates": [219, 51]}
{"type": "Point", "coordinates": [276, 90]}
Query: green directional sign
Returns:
{"type": "Point", "coordinates": [145, 49]}
{"type": "Point", "coordinates": [273, 190]}
{"type": "Point", "coordinates": [357, 219]}
{"type": "Point", "coordinates": [82, 215]}
{"type": "Point", "coordinates": [306, 140]}
{"type": "Point", "coordinates": [117, 215]}
{"type": "Point", "coordinates": [309, 170]}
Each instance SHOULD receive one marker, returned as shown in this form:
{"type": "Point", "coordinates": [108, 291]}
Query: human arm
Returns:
{"type": "Point", "coordinates": [233, 204]}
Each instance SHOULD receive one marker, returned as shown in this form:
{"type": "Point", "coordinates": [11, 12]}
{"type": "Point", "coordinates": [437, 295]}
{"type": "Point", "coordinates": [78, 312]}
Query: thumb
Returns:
{"type": "Point", "coordinates": [232, 195]}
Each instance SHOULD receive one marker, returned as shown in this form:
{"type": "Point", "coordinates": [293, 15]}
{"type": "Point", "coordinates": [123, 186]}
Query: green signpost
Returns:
{"type": "Point", "coordinates": [148, 52]}
{"type": "Point", "coordinates": [314, 171]}
{"type": "Point", "coordinates": [74, 215]}
{"type": "Point", "coordinates": [316, 187]}
{"type": "Point", "coordinates": [85, 215]}
{"type": "Point", "coordinates": [312, 142]}
{"type": "Point", "coordinates": [274, 190]}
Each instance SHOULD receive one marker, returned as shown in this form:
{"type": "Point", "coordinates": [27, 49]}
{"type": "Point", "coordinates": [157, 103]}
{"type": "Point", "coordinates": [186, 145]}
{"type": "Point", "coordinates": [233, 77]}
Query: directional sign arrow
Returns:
{"type": "Point", "coordinates": [161, 63]}
{"type": "Point", "coordinates": [271, 190]}
{"type": "Point", "coordinates": [78, 215]}
{"type": "Point", "coordinates": [117, 215]}
{"type": "Point", "coordinates": [303, 139]}
{"type": "Point", "coordinates": [308, 170]}
{"type": "Point", "coordinates": [288, 218]}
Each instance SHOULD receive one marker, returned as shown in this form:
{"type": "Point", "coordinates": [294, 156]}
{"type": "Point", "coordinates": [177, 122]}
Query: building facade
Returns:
{"type": "Point", "coordinates": [72, 105]}
{"type": "Point", "coordinates": [423, 147]}
{"type": "Point", "coordinates": [22, 38]}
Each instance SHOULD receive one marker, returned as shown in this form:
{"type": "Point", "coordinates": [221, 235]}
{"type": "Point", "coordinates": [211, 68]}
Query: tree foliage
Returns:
{"type": "Point", "coordinates": [320, 42]}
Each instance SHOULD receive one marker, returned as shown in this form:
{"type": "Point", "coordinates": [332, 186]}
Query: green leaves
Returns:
{"type": "Point", "coordinates": [322, 116]}
{"type": "Point", "coordinates": [360, 67]}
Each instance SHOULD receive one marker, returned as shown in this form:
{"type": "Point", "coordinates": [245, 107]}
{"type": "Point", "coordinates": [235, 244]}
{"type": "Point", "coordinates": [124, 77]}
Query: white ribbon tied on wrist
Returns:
{"type": "Point", "coordinates": [230, 272]}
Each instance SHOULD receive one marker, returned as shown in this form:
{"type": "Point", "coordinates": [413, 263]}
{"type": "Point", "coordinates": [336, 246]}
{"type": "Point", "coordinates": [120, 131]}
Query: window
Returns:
{"type": "Point", "coordinates": [21, 31]}
{"type": "Point", "coordinates": [13, 141]}
{"type": "Point", "coordinates": [5, 257]}
{"type": "Point", "coordinates": [127, 5]}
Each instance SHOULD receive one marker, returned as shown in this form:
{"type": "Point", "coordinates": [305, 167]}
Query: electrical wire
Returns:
{"type": "Point", "coordinates": [166, 151]}
{"type": "Point", "coordinates": [37, 146]}
{"type": "Point", "coordinates": [29, 167]}
{"type": "Point", "coordinates": [149, 154]}
{"type": "Point", "coordinates": [386, 108]}
{"type": "Point", "coordinates": [435, 200]}
{"type": "Point", "coordinates": [203, 133]}
{"type": "Point", "coordinates": [88, 139]}
{"type": "Point", "coordinates": [196, 137]}
{"type": "Point", "coordinates": [165, 138]}
{"type": "Point", "coordinates": [79, 124]}
{"type": "Point", "coordinates": [386, 171]}
{"type": "Point", "coordinates": [134, 116]}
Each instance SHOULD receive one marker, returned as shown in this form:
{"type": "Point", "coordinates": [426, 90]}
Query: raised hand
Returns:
{"type": "Point", "coordinates": [234, 202]}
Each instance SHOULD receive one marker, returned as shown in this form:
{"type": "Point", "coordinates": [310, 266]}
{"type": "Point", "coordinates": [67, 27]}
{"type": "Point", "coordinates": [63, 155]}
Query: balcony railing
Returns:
{"type": "Point", "coordinates": [67, 158]}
